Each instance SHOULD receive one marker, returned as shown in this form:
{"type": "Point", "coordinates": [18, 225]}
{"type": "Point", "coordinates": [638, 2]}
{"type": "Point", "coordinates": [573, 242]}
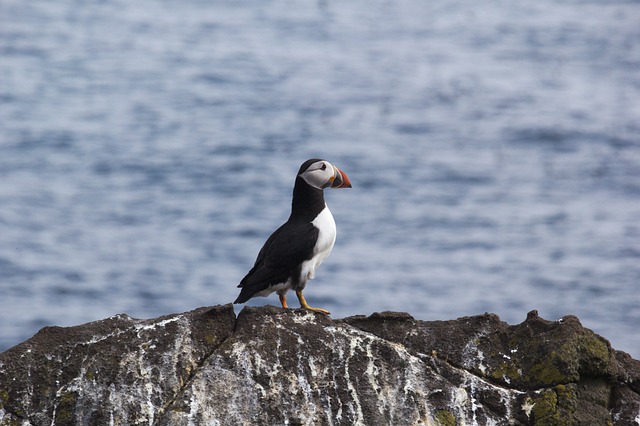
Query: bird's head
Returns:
{"type": "Point", "coordinates": [322, 174]}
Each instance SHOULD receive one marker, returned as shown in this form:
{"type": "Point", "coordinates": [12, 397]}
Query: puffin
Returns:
{"type": "Point", "coordinates": [291, 255]}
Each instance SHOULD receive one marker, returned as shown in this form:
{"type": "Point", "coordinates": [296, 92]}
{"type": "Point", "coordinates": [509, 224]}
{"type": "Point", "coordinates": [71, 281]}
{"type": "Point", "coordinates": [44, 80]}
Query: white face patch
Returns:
{"type": "Point", "coordinates": [319, 174]}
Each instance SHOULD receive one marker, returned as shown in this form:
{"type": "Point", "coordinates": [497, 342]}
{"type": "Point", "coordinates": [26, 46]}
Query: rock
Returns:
{"type": "Point", "coordinates": [274, 366]}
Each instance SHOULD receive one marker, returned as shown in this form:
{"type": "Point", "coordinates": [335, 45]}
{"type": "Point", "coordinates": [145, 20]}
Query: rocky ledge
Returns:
{"type": "Point", "coordinates": [272, 366]}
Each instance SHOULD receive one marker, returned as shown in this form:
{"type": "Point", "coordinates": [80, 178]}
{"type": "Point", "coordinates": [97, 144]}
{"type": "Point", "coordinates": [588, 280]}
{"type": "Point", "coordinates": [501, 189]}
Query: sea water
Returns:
{"type": "Point", "coordinates": [149, 148]}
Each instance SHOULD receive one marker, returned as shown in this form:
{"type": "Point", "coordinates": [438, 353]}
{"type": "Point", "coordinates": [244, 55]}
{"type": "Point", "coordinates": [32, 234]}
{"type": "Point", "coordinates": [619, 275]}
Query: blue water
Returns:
{"type": "Point", "coordinates": [149, 148]}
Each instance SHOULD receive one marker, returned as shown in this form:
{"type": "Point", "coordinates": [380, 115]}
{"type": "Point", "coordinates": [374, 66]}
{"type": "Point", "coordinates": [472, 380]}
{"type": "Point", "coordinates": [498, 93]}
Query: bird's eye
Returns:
{"type": "Point", "coordinates": [323, 167]}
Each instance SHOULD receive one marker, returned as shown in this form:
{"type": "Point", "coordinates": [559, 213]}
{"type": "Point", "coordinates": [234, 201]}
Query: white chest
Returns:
{"type": "Point", "coordinates": [327, 235]}
{"type": "Point", "coordinates": [326, 238]}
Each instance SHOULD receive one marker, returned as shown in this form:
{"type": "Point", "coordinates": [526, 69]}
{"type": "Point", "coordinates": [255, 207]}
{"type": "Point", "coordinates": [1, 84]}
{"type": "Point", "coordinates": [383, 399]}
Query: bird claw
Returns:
{"type": "Point", "coordinates": [305, 305]}
{"type": "Point", "coordinates": [319, 310]}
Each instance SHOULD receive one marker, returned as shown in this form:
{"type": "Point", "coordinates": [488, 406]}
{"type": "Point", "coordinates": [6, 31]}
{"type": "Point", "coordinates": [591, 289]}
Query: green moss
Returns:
{"type": "Point", "coordinates": [565, 393]}
{"type": "Point", "coordinates": [546, 372]}
{"type": "Point", "coordinates": [209, 339]}
{"type": "Point", "coordinates": [539, 368]}
{"type": "Point", "coordinates": [8, 420]}
{"type": "Point", "coordinates": [506, 371]}
{"type": "Point", "coordinates": [555, 406]}
{"type": "Point", "coordinates": [445, 418]}
{"type": "Point", "coordinates": [545, 409]}
{"type": "Point", "coordinates": [585, 355]}
{"type": "Point", "coordinates": [66, 409]}
{"type": "Point", "coordinates": [596, 355]}
{"type": "Point", "coordinates": [4, 397]}
{"type": "Point", "coordinates": [594, 346]}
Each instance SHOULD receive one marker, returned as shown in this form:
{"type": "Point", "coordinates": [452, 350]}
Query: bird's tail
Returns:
{"type": "Point", "coordinates": [243, 297]}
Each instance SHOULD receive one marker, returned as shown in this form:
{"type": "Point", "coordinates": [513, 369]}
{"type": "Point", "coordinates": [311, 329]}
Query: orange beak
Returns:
{"type": "Point", "coordinates": [340, 179]}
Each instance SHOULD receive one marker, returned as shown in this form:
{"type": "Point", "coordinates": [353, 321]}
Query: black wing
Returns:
{"type": "Point", "coordinates": [280, 258]}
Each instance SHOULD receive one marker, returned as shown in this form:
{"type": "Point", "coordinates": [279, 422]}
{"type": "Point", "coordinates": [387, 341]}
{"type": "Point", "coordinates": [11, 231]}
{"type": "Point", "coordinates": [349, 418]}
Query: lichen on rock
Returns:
{"type": "Point", "coordinates": [275, 366]}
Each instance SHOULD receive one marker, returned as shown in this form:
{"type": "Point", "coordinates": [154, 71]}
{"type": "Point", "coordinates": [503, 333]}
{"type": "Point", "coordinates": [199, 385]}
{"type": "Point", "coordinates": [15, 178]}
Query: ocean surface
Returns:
{"type": "Point", "coordinates": [149, 148]}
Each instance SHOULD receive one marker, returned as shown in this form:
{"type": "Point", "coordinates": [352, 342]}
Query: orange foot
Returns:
{"type": "Point", "coordinates": [305, 305]}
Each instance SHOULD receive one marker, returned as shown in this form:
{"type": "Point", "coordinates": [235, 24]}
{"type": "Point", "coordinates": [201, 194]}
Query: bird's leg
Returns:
{"type": "Point", "coordinates": [305, 305]}
{"type": "Point", "coordinates": [283, 300]}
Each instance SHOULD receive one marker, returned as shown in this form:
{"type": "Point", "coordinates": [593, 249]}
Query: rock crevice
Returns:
{"type": "Point", "coordinates": [275, 366]}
